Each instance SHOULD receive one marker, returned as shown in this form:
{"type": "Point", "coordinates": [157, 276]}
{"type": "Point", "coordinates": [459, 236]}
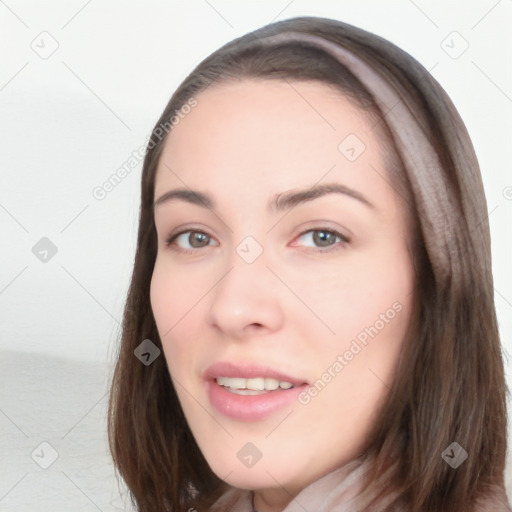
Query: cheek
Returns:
{"type": "Point", "coordinates": [162, 295]}
{"type": "Point", "coordinates": [355, 367]}
{"type": "Point", "coordinates": [174, 294]}
{"type": "Point", "coordinates": [368, 304]}
{"type": "Point", "coordinates": [174, 301]}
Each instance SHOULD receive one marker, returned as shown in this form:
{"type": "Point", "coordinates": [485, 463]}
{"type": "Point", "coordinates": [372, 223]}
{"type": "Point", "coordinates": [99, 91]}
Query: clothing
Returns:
{"type": "Point", "coordinates": [336, 492]}
{"type": "Point", "coordinates": [332, 492]}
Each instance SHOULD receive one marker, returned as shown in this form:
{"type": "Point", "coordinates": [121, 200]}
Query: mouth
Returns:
{"type": "Point", "coordinates": [248, 392]}
{"type": "Point", "coordinates": [254, 386]}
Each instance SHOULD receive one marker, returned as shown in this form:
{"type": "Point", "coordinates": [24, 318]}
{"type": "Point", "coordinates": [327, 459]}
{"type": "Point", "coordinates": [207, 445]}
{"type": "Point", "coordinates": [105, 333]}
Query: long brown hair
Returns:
{"type": "Point", "coordinates": [449, 386]}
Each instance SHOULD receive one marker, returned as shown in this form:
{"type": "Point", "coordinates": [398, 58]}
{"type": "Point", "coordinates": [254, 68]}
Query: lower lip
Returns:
{"type": "Point", "coordinates": [250, 407]}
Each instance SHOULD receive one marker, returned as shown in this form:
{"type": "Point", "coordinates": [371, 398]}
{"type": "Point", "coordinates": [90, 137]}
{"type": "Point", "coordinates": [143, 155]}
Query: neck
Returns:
{"type": "Point", "coordinates": [269, 501]}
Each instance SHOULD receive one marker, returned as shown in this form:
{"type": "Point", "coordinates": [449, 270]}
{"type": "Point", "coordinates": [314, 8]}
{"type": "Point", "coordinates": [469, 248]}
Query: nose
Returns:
{"type": "Point", "coordinates": [246, 301]}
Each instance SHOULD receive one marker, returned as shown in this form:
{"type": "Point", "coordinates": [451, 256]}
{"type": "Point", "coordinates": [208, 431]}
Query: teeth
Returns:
{"type": "Point", "coordinates": [272, 384]}
{"type": "Point", "coordinates": [232, 383]}
{"type": "Point", "coordinates": [246, 392]}
{"type": "Point", "coordinates": [257, 384]}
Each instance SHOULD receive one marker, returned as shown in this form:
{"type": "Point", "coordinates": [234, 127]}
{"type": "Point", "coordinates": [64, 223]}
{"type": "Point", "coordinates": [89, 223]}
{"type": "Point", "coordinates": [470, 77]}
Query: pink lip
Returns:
{"type": "Point", "coordinates": [249, 407]}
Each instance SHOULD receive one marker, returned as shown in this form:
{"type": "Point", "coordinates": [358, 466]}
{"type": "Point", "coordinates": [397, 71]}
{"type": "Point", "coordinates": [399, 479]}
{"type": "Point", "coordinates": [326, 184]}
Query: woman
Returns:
{"type": "Point", "coordinates": [313, 261]}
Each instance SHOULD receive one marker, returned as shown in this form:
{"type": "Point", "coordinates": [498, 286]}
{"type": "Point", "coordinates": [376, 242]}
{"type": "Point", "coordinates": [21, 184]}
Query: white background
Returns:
{"type": "Point", "coordinates": [70, 120]}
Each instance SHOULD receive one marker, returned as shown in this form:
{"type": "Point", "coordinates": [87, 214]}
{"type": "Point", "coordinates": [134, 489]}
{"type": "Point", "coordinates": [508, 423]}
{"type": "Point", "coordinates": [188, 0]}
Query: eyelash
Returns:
{"type": "Point", "coordinates": [170, 241]}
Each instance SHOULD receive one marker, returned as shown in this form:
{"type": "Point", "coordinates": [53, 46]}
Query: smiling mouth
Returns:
{"type": "Point", "coordinates": [253, 386]}
{"type": "Point", "coordinates": [247, 392]}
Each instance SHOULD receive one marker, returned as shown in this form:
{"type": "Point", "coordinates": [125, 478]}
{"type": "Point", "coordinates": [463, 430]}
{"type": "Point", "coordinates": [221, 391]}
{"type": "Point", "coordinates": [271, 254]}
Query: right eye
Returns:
{"type": "Point", "coordinates": [195, 240]}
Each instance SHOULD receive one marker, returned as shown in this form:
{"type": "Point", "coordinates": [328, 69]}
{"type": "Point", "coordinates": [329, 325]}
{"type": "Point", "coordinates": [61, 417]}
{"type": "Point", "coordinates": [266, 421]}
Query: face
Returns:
{"type": "Point", "coordinates": [262, 287]}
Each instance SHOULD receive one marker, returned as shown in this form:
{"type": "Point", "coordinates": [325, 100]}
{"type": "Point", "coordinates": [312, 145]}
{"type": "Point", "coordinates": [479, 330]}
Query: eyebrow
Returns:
{"type": "Point", "coordinates": [280, 202]}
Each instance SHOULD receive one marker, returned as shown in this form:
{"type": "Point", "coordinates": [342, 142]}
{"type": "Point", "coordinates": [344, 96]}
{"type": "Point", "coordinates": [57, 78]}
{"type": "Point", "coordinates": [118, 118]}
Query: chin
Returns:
{"type": "Point", "coordinates": [262, 475]}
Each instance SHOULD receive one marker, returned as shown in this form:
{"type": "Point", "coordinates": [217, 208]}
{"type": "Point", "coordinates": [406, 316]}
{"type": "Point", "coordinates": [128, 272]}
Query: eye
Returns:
{"type": "Point", "coordinates": [324, 238]}
{"type": "Point", "coordinates": [195, 239]}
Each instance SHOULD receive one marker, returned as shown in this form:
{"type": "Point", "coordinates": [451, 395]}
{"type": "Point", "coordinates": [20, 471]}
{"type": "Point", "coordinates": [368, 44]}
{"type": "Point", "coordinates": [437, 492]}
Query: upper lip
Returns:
{"type": "Point", "coordinates": [248, 371]}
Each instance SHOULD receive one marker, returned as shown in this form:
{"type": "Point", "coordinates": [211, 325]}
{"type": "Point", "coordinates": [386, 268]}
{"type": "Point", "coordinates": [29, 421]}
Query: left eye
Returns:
{"type": "Point", "coordinates": [323, 238]}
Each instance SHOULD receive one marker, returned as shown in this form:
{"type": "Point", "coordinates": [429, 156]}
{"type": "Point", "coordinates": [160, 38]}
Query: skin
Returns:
{"type": "Point", "coordinates": [302, 302]}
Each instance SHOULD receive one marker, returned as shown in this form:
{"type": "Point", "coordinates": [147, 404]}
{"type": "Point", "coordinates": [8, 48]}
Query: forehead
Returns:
{"type": "Point", "coordinates": [260, 134]}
